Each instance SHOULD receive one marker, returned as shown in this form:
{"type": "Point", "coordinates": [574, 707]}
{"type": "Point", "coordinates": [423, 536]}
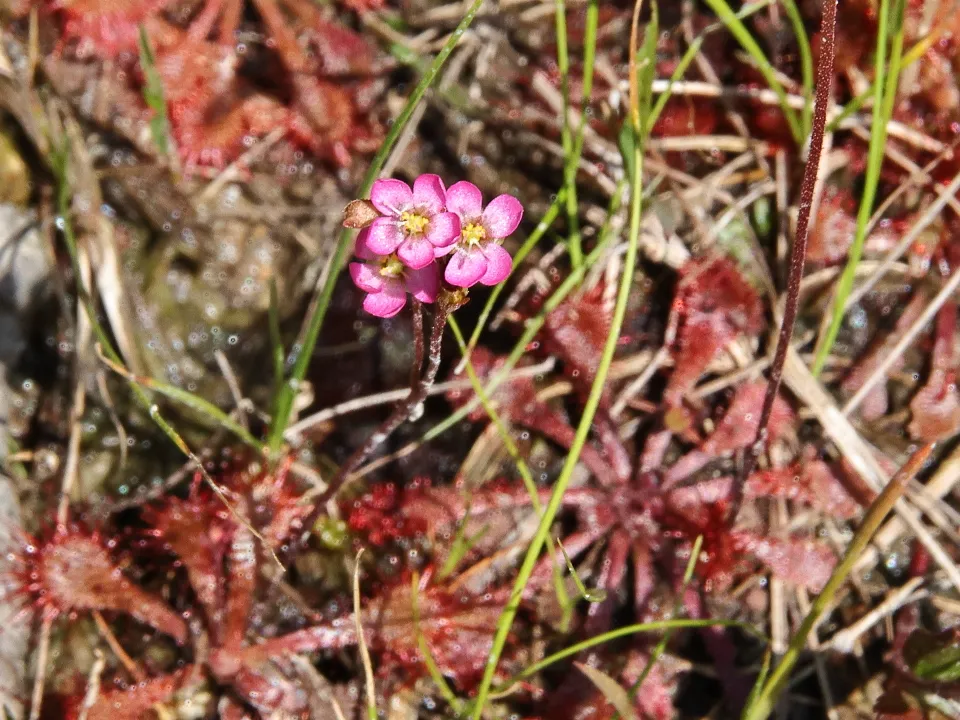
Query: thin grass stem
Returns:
{"type": "Point", "coordinates": [506, 619]}
{"type": "Point", "coordinates": [531, 242]}
{"type": "Point", "coordinates": [884, 95]}
{"type": "Point", "coordinates": [746, 40]}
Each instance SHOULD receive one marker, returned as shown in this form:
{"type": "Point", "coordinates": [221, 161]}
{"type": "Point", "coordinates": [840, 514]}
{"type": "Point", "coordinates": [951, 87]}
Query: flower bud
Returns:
{"type": "Point", "coordinates": [358, 214]}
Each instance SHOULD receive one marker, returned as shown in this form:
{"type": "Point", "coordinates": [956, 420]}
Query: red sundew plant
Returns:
{"type": "Point", "coordinates": [73, 571]}
{"type": "Point", "coordinates": [102, 28]}
{"type": "Point", "coordinates": [214, 112]}
{"type": "Point", "coordinates": [713, 306]}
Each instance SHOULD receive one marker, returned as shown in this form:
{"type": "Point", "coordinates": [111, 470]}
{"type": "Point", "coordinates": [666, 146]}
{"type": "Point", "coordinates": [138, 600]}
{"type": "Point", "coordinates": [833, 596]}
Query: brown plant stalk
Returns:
{"type": "Point", "coordinates": [828, 28]}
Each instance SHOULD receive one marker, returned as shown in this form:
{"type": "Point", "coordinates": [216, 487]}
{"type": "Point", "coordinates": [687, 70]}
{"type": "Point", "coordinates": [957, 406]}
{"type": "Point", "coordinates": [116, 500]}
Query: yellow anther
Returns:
{"type": "Point", "coordinates": [473, 233]}
{"type": "Point", "coordinates": [392, 267]}
{"type": "Point", "coordinates": [413, 223]}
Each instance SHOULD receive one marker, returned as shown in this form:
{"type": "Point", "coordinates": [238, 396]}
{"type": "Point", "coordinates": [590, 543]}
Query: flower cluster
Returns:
{"type": "Point", "coordinates": [415, 234]}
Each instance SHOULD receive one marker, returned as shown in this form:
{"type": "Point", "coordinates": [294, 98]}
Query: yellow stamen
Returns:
{"type": "Point", "coordinates": [413, 223]}
{"type": "Point", "coordinates": [473, 233]}
{"type": "Point", "coordinates": [392, 267]}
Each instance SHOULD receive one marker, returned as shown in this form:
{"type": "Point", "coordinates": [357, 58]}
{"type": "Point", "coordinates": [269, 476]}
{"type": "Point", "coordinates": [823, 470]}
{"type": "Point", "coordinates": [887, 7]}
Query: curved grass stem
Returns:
{"type": "Point", "coordinates": [746, 40]}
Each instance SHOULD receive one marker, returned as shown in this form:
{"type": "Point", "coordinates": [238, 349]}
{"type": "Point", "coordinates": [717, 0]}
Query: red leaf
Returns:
{"type": "Point", "coordinates": [74, 571]}
{"type": "Point", "coordinates": [936, 407]}
{"type": "Point", "coordinates": [812, 483]}
{"type": "Point", "coordinates": [195, 530]}
{"type": "Point", "coordinates": [736, 430]}
{"type": "Point", "coordinates": [713, 306]}
{"type": "Point", "coordinates": [135, 702]}
{"type": "Point", "coordinates": [807, 563]}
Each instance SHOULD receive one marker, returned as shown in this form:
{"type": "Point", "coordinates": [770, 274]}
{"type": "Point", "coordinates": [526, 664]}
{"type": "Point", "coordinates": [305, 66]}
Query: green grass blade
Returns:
{"type": "Point", "coordinates": [461, 545]}
{"type": "Point", "coordinates": [591, 405]}
{"type": "Point", "coordinates": [526, 475]}
{"type": "Point", "coordinates": [743, 36]}
{"type": "Point", "coordinates": [154, 96]}
{"type": "Point", "coordinates": [806, 61]}
{"type": "Point", "coordinates": [345, 240]}
{"type": "Point", "coordinates": [883, 97]}
{"type": "Point", "coordinates": [188, 400]}
{"type": "Point", "coordinates": [591, 596]}
{"type": "Point", "coordinates": [572, 163]}
{"type": "Point", "coordinates": [566, 136]}
{"type": "Point", "coordinates": [690, 55]}
{"type": "Point", "coordinates": [909, 58]}
{"type": "Point", "coordinates": [445, 690]}
{"type": "Point", "coordinates": [276, 341]}
{"type": "Point", "coordinates": [647, 73]}
{"type": "Point", "coordinates": [502, 430]}
{"type": "Point", "coordinates": [650, 627]}
{"type": "Point", "coordinates": [661, 646]}
{"type": "Point", "coordinates": [766, 698]}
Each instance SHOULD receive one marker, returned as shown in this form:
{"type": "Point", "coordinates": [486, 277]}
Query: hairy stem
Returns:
{"type": "Point", "coordinates": [404, 410]}
{"type": "Point", "coordinates": [799, 253]}
{"type": "Point", "coordinates": [417, 367]}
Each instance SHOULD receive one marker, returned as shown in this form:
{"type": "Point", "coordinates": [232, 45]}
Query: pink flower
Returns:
{"type": "Point", "coordinates": [415, 224]}
{"type": "Point", "coordinates": [479, 256]}
{"type": "Point", "coordinates": [386, 280]}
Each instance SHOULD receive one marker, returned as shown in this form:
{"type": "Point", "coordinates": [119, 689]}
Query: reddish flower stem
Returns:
{"type": "Point", "coordinates": [828, 27]}
{"type": "Point", "coordinates": [417, 320]}
{"type": "Point", "coordinates": [403, 411]}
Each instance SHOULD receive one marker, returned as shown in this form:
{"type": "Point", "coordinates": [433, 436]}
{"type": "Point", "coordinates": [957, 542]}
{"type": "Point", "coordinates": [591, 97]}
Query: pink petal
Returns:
{"type": "Point", "coordinates": [424, 283]}
{"type": "Point", "coordinates": [464, 199]}
{"type": "Point", "coordinates": [387, 302]}
{"type": "Point", "coordinates": [361, 248]}
{"type": "Point", "coordinates": [499, 264]}
{"type": "Point", "coordinates": [391, 196]}
{"type": "Point", "coordinates": [465, 267]}
{"type": "Point", "coordinates": [429, 193]}
{"type": "Point", "coordinates": [415, 253]}
{"type": "Point", "coordinates": [366, 277]}
{"type": "Point", "coordinates": [443, 230]}
{"type": "Point", "coordinates": [385, 236]}
{"type": "Point", "coordinates": [502, 216]}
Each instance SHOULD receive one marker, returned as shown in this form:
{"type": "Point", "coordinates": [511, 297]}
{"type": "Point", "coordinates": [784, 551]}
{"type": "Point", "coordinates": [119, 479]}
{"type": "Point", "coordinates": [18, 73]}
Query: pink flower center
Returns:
{"type": "Point", "coordinates": [473, 234]}
{"type": "Point", "coordinates": [413, 223]}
